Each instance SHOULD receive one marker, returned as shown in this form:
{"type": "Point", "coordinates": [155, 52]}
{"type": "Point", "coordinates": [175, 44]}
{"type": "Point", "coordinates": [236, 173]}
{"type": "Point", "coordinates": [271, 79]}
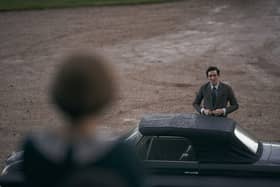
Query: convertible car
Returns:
{"type": "Point", "coordinates": [188, 149]}
{"type": "Point", "coordinates": [192, 144]}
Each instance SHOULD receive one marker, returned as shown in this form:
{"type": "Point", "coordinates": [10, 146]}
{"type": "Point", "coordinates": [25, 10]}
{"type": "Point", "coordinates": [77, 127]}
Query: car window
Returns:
{"type": "Point", "coordinates": [166, 148]}
{"type": "Point", "coordinates": [143, 147]}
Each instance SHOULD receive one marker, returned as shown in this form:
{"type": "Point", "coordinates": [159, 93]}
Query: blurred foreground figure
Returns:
{"type": "Point", "coordinates": [75, 155]}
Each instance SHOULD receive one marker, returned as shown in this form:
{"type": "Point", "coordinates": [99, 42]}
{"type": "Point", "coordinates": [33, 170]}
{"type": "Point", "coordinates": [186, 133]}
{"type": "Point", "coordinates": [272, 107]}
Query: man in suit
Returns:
{"type": "Point", "coordinates": [215, 95]}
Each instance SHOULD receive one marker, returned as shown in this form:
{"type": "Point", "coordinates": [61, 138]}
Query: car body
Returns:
{"type": "Point", "coordinates": [193, 144]}
{"type": "Point", "coordinates": [185, 149]}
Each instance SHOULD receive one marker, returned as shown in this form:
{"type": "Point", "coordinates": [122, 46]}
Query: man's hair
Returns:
{"type": "Point", "coordinates": [212, 68]}
{"type": "Point", "coordinates": [82, 86]}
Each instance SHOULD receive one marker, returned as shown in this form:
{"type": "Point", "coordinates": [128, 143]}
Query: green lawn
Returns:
{"type": "Point", "coordinates": [44, 4]}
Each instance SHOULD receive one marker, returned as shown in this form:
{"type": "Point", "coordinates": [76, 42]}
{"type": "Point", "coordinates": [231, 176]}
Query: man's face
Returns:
{"type": "Point", "coordinates": [213, 77]}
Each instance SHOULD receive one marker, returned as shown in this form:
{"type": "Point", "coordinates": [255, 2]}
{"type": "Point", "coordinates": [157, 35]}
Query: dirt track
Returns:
{"type": "Point", "coordinates": [160, 53]}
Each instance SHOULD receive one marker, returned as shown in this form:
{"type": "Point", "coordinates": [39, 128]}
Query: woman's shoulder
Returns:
{"type": "Point", "coordinates": [55, 148]}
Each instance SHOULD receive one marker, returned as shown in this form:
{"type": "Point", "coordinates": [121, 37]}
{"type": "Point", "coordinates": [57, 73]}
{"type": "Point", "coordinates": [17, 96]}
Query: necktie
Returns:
{"type": "Point", "coordinates": [213, 94]}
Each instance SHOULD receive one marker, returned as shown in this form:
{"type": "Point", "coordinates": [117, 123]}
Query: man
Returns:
{"type": "Point", "coordinates": [215, 95]}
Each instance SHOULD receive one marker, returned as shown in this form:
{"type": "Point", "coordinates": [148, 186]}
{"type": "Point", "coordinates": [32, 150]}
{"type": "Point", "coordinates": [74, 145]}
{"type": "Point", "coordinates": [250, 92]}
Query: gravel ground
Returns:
{"type": "Point", "coordinates": [159, 52]}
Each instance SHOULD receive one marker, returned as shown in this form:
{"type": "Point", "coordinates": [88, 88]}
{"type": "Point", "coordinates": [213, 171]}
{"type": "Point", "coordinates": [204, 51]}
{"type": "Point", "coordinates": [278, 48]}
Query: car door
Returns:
{"type": "Point", "coordinates": [168, 155]}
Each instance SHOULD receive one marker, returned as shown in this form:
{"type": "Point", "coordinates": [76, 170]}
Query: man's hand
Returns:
{"type": "Point", "coordinates": [207, 112]}
{"type": "Point", "coordinates": [218, 112]}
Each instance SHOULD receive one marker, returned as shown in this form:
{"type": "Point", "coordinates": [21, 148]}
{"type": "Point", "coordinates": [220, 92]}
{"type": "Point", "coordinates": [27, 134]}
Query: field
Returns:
{"type": "Point", "coordinates": [159, 52]}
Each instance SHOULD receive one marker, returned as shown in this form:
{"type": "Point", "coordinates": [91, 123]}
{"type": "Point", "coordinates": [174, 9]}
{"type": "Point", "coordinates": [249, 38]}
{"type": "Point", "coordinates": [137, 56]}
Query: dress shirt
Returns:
{"type": "Point", "coordinates": [217, 87]}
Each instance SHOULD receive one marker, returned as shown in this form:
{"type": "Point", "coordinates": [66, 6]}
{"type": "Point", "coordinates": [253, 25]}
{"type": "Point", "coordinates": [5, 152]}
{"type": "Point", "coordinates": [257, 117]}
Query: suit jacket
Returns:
{"type": "Point", "coordinates": [224, 96]}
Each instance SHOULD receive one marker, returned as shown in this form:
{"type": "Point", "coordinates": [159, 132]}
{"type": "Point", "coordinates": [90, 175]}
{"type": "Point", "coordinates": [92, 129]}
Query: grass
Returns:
{"type": "Point", "coordinates": [6, 5]}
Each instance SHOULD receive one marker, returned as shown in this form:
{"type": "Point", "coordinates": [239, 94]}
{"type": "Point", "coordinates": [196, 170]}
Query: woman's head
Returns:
{"type": "Point", "coordinates": [83, 86]}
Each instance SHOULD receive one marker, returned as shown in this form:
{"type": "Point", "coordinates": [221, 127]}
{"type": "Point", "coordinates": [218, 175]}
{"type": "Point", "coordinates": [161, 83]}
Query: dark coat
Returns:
{"type": "Point", "coordinates": [50, 160]}
{"type": "Point", "coordinates": [225, 95]}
